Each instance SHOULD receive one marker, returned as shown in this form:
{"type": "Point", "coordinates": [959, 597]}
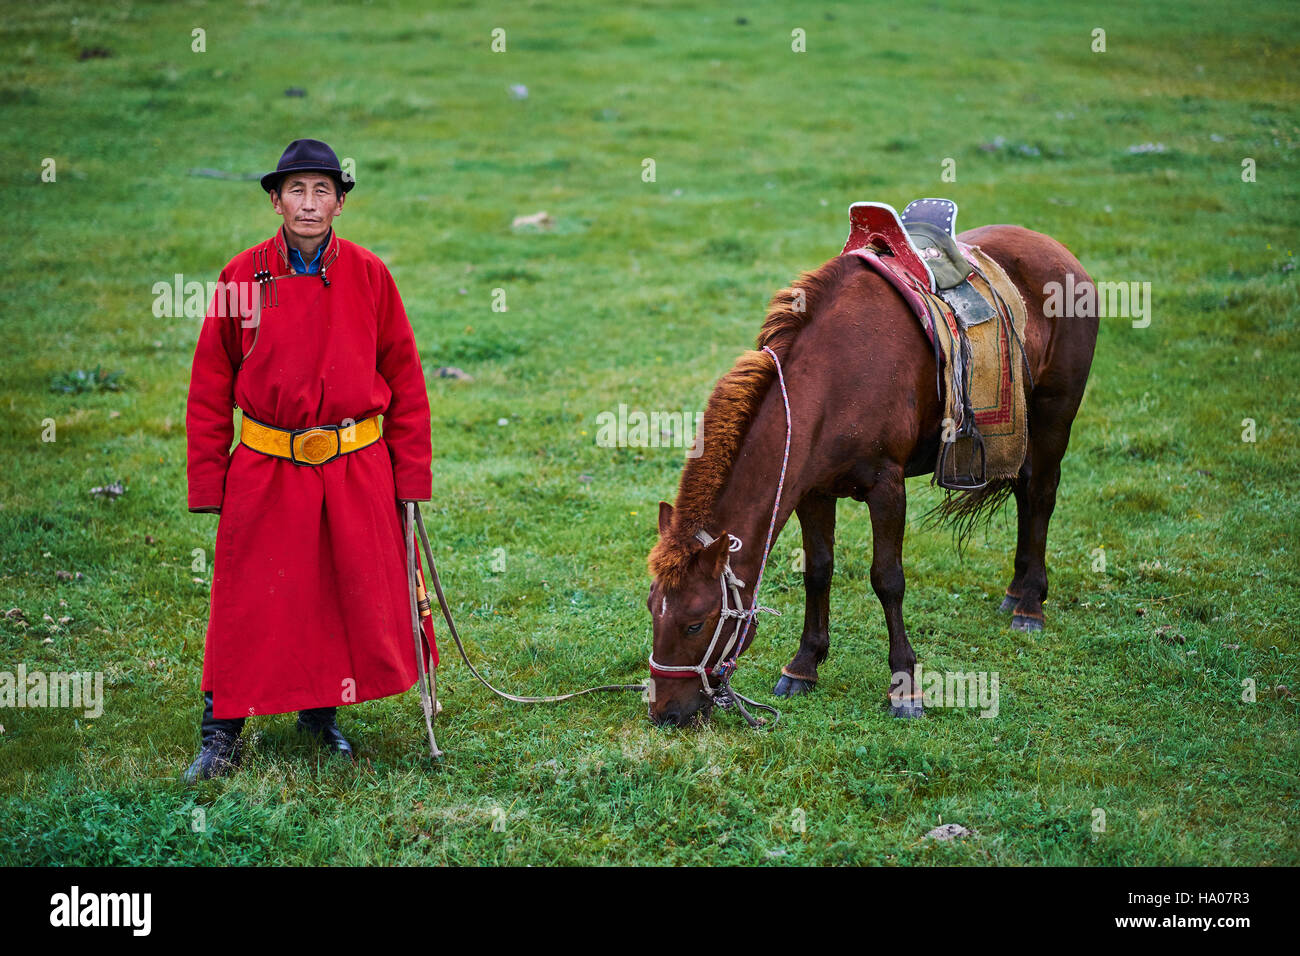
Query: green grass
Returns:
{"type": "Point", "coordinates": [644, 293]}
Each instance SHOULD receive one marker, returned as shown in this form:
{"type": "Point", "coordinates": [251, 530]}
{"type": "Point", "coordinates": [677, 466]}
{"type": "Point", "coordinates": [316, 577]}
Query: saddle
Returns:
{"type": "Point", "coordinates": [919, 254]}
{"type": "Point", "coordinates": [924, 242]}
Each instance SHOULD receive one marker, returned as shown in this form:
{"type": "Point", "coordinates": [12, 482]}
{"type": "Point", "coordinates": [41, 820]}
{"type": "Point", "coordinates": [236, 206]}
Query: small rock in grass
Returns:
{"type": "Point", "coordinates": [950, 831]}
{"type": "Point", "coordinates": [1163, 632]}
{"type": "Point", "coordinates": [114, 490]}
{"type": "Point", "coordinates": [538, 220]}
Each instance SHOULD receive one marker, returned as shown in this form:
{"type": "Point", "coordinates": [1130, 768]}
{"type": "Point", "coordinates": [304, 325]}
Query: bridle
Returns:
{"type": "Point", "coordinates": [733, 608]}
{"type": "Point", "coordinates": [733, 605]}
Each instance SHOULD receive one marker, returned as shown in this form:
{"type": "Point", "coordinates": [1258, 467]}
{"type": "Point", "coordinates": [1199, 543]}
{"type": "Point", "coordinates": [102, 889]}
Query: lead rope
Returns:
{"type": "Point", "coordinates": [776, 508]}
{"type": "Point", "coordinates": [455, 634]}
{"type": "Point", "coordinates": [424, 677]}
{"type": "Point", "coordinates": [728, 695]}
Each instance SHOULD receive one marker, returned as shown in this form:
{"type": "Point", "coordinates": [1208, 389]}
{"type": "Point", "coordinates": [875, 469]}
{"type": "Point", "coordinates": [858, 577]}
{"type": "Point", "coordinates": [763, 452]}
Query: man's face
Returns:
{"type": "Point", "coordinates": [308, 202]}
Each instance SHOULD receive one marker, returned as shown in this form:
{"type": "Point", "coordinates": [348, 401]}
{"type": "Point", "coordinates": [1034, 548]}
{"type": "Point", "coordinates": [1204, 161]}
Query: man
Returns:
{"type": "Point", "coordinates": [308, 337]}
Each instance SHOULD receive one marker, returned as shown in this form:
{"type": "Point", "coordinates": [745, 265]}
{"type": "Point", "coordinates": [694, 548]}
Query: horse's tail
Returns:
{"type": "Point", "coordinates": [967, 510]}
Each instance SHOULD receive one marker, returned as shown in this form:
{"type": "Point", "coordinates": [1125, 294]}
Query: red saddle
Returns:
{"type": "Point", "coordinates": [874, 224]}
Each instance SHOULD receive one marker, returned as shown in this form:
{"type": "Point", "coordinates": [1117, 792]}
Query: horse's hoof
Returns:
{"type": "Point", "coordinates": [789, 686]}
{"type": "Point", "coordinates": [906, 708]}
{"type": "Point", "coordinates": [1022, 623]}
{"type": "Point", "coordinates": [1008, 604]}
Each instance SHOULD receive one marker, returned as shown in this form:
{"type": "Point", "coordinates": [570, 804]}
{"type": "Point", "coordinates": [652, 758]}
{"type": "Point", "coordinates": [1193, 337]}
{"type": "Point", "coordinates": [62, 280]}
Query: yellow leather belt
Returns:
{"type": "Point", "coordinates": [309, 446]}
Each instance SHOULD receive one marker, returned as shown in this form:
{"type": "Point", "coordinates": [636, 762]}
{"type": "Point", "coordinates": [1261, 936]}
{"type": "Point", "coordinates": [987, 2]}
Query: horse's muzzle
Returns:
{"type": "Point", "coordinates": [683, 713]}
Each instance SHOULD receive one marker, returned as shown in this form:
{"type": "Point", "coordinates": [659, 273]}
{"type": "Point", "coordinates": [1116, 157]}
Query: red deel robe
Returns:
{"type": "Point", "coordinates": [309, 590]}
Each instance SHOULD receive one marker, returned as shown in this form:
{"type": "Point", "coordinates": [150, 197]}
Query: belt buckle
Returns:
{"type": "Point", "coordinates": [320, 445]}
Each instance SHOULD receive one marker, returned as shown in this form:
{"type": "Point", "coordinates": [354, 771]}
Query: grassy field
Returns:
{"type": "Point", "coordinates": [1131, 701]}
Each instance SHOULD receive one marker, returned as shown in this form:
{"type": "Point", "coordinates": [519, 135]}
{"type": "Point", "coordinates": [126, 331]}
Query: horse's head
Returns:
{"type": "Point", "coordinates": [687, 614]}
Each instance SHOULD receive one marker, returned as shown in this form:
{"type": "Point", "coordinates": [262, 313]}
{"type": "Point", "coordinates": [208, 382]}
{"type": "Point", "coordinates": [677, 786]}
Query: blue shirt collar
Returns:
{"type": "Point", "coordinates": [296, 260]}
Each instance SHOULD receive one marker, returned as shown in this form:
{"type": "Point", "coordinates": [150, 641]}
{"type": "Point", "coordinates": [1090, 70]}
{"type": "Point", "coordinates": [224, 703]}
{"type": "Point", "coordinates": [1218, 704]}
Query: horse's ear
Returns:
{"type": "Point", "coordinates": [714, 557]}
{"type": "Point", "coordinates": [665, 517]}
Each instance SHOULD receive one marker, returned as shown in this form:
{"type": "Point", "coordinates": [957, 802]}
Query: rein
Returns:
{"type": "Point", "coordinates": [451, 626]}
{"type": "Point", "coordinates": [724, 695]}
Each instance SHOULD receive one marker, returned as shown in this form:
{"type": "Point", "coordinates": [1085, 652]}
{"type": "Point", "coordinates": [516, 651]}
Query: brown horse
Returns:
{"type": "Point", "coordinates": [864, 416]}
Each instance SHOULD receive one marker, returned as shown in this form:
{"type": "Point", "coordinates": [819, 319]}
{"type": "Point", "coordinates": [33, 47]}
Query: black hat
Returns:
{"type": "Point", "coordinates": [307, 156]}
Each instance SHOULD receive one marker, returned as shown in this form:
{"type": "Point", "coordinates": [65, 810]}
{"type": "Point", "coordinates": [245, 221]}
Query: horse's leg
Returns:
{"type": "Point", "coordinates": [887, 499]}
{"type": "Point", "coordinates": [1050, 420]}
{"type": "Point", "coordinates": [817, 521]}
{"type": "Point", "coordinates": [1023, 531]}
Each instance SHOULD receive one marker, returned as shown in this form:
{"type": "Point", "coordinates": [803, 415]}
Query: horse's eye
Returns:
{"type": "Point", "coordinates": [695, 628]}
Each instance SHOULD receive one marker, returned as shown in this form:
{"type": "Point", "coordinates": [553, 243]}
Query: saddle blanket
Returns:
{"type": "Point", "coordinates": [997, 363]}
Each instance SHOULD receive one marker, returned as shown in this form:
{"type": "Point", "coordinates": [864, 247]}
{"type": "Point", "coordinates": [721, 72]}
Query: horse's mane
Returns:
{"type": "Point", "coordinates": [729, 413]}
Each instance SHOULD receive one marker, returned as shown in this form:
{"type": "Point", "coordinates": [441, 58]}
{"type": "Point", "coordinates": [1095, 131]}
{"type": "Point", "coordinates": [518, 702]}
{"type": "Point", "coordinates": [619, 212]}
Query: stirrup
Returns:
{"type": "Point", "coordinates": [970, 479]}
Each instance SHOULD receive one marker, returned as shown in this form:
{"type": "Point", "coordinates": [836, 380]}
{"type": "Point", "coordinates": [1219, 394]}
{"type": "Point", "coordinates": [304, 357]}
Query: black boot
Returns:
{"type": "Point", "coordinates": [320, 723]}
{"type": "Point", "coordinates": [220, 752]}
